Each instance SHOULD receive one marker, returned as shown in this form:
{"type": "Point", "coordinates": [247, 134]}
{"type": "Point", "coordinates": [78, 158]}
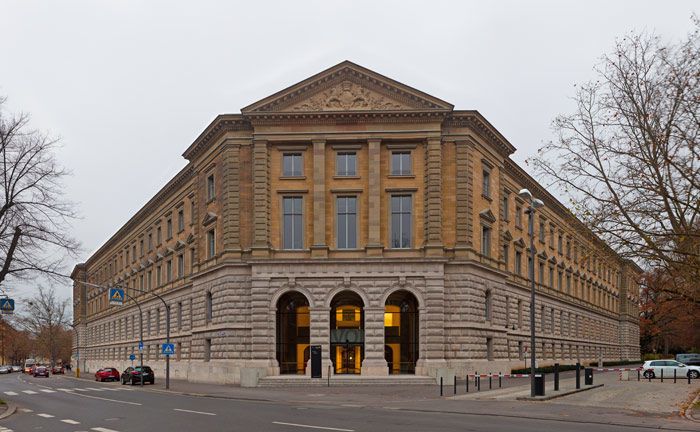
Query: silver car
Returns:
{"type": "Point", "coordinates": [5, 369]}
{"type": "Point", "coordinates": [16, 368]}
{"type": "Point", "coordinates": [654, 368]}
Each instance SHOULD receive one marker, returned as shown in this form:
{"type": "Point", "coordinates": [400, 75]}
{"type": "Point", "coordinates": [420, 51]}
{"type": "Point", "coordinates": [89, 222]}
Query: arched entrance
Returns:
{"type": "Point", "coordinates": [293, 333]}
{"type": "Point", "coordinates": [401, 332]}
{"type": "Point", "coordinates": [347, 332]}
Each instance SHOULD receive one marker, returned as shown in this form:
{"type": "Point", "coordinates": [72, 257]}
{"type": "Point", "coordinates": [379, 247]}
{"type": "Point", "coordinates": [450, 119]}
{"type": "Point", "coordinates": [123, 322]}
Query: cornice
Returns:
{"type": "Point", "coordinates": [476, 122]}
{"type": "Point", "coordinates": [219, 126]}
{"type": "Point", "coordinates": [345, 117]}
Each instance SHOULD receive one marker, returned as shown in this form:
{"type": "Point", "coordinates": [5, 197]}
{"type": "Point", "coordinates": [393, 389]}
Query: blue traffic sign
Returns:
{"type": "Point", "coordinates": [116, 296]}
{"type": "Point", "coordinates": [168, 349]}
{"type": "Point", "coordinates": [7, 306]}
{"type": "Point", "coordinates": [140, 346]}
{"type": "Point", "coordinates": [132, 357]}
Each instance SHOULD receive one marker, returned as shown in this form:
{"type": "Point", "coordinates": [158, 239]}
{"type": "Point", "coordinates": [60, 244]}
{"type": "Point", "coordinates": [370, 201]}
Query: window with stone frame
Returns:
{"type": "Point", "coordinates": [542, 233]}
{"type": "Point", "coordinates": [209, 307]}
{"type": "Point", "coordinates": [401, 221]}
{"type": "Point", "coordinates": [518, 263]}
{"type": "Point", "coordinates": [180, 266]}
{"type": "Point", "coordinates": [346, 164]}
{"type": "Point", "coordinates": [486, 181]}
{"type": "Point", "coordinates": [211, 187]}
{"type": "Point", "coordinates": [169, 270]}
{"type": "Point", "coordinates": [505, 206]}
{"type": "Point", "coordinates": [169, 228]}
{"type": "Point", "coordinates": [211, 243]}
{"type": "Point", "coordinates": [180, 220]}
{"type": "Point", "coordinates": [401, 164]}
{"type": "Point", "coordinates": [292, 222]}
{"type": "Point", "coordinates": [486, 241]}
{"type": "Point", "coordinates": [292, 165]}
{"type": "Point", "coordinates": [506, 253]}
{"type": "Point", "coordinates": [518, 216]}
{"type": "Point", "coordinates": [346, 220]}
{"type": "Point", "coordinates": [159, 236]}
{"type": "Point", "coordinates": [150, 242]}
{"type": "Point", "coordinates": [551, 236]}
{"type": "Point", "coordinates": [551, 277]}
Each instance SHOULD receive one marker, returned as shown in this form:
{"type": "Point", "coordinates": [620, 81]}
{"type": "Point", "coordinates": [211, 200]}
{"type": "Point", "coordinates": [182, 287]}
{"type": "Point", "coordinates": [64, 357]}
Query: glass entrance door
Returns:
{"type": "Point", "coordinates": [347, 333]}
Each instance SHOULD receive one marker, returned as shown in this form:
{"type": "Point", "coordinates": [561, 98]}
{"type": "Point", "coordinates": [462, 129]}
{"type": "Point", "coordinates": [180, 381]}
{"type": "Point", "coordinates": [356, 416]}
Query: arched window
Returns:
{"type": "Point", "coordinates": [401, 332]}
{"type": "Point", "coordinates": [347, 332]}
{"type": "Point", "coordinates": [293, 333]}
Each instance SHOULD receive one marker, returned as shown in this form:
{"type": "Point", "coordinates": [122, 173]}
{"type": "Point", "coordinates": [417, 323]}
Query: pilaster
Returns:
{"type": "Point", "coordinates": [231, 198]}
{"type": "Point", "coordinates": [374, 362]}
{"type": "Point", "coordinates": [433, 197]}
{"type": "Point", "coordinates": [464, 199]}
{"type": "Point", "coordinates": [319, 249]}
{"type": "Point", "coordinates": [261, 193]}
{"type": "Point", "coordinates": [374, 244]}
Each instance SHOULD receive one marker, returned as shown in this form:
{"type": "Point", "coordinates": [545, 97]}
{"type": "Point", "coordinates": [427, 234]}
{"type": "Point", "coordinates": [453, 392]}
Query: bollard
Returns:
{"type": "Point", "coordinates": [639, 375]}
{"type": "Point", "coordinates": [478, 383]}
{"type": "Point", "coordinates": [578, 376]}
{"type": "Point", "coordinates": [476, 380]}
{"type": "Point", "coordinates": [454, 391]}
{"type": "Point", "coordinates": [674, 376]}
{"type": "Point", "coordinates": [688, 379]}
{"type": "Point", "coordinates": [440, 386]}
{"type": "Point", "coordinates": [500, 375]}
{"type": "Point", "coordinates": [649, 375]}
{"type": "Point", "coordinates": [662, 375]}
{"type": "Point", "coordinates": [556, 376]}
{"type": "Point", "coordinates": [466, 380]}
{"type": "Point", "coordinates": [329, 375]}
{"type": "Point", "coordinates": [490, 380]}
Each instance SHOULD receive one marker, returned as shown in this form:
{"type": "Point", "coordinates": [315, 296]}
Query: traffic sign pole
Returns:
{"type": "Point", "coordinates": [167, 338]}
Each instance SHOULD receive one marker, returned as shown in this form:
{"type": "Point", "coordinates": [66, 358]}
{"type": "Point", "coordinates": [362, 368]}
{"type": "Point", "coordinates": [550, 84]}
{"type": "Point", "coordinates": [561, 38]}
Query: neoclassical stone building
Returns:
{"type": "Point", "coordinates": [356, 213]}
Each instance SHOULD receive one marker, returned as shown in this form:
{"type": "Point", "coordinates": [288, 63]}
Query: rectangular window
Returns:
{"type": "Point", "coordinates": [180, 265]}
{"type": "Point", "coordinates": [486, 241]}
{"type": "Point", "coordinates": [505, 208]}
{"type": "Point", "coordinates": [486, 183]}
{"type": "Point", "coordinates": [158, 276]}
{"type": "Point", "coordinates": [560, 244]}
{"type": "Point", "coordinates": [150, 242]}
{"type": "Point", "coordinates": [169, 228]}
{"type": "Point", "coordinates": [346, 208]}
{"type": "Point", "coordinates": [560, 279]}
{"type": "Point", "coordinates": [345, 164]}
{"type": "Point", "coordinates": [506, 252]}
{"type": "Point", "coordinates": [192, 260]}
{"type": "Point", "coordinates": [568, 284]}
{"type": "Point", "coordinates": [401, 163]}
{"type": "Point", "coordinates": [192, 209]}
{"type": "Point", "coordinates": [141, 247]}
{"type": "Point", "coordinates": [541, 274]}
{"type": "Point", "coordinates": [518, 216]}
{"type": "Point", "coordinates": [149, 280]}
{"type": "Point", "coordinates": [292, 165]}
{"type": "Point", "coordinates": [211, 243]}
{"type": "Point", "coordinates": [551, 237]}
{"type": "Point", "coordinates": [180, 220]}
{"type": "Point", "coordinates": [568, 248]}
{"type": "Point", "coordinates": [207, 350]}
{"type": "Point", "coordinates": [551, 277]}
{"type": "Point", "coordinates": [518, 262]}
{"type": "Point", "coordinates": [542, 233]}
{"type": "Point", "coordinates": [401, 209]}
{"type": "Point", "coordinates": [169, 271]}
{"type": "Point", "coordinates": [133, 256]}
{"type": "Point", "coordinates": [293, 223]}
{"type": "Point", "coordinates": [211, 188]}
{"type": "Point", "coordinates": [159, 236]}
{"type": "Point", "coordinates": [179, 316]}
{"type": "Point", "coordinates": [141, 284]}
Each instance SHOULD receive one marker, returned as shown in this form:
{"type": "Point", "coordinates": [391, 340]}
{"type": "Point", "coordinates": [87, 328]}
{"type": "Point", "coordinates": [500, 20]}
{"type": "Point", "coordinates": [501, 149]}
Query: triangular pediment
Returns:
{"type": "Point", "coordinates": [488, 216]}
{"type": "Point", "coordinates": [347, 87]}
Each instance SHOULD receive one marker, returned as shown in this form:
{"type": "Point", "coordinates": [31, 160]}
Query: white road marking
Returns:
{"type": "Point", "coordinates": [69, 421]}
{"type": "Point", "coordinates": [45, 415]}
{"type": "Point", "coordinates": [11, 393]}
{"type": "Point", "coordinates": [105, 399]}
{"type": "Point", "coordinates": [80, 389]}
{"type": "Point", "coordinates": [194, 412]}
{"type": "Point", "coordinates": [48, 391]}
{"type": "Point", "coordinates": [101, 429]}
{"type": "Point", "coordinates": [313, 427]}
{"type": "Point", "coordinates": [64, 389]}
{"type": "Point", "coordinates": [94, 389]}
{"type": "Point", "coordinates": [29, 392]}
{"type": "Point", "coordinates": [26, 410]}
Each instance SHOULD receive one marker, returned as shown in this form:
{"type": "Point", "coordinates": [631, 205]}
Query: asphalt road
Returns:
{"type": "Point", "coordinates": [63, 404]}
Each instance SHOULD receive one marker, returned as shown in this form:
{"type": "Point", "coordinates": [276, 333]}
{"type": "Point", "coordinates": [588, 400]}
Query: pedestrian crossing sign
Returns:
{"type": "Point", "coordinates": [7, 306]}
{"type": "Point", "coordinates": [116, 296]}
{"type": "Point", "coordinates": [168, 349]}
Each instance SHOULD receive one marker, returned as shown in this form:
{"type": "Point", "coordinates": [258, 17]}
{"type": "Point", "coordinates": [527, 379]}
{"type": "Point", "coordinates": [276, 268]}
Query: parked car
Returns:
{"type": "Point", "coordinates": [688, 359]}
{"type": "Point", "coordinates": [107, 374]}
{"type": "Point", "coordinates": [58, 369]}
{"type": "Point", "coordinates": [5, 369]}
{"type": "Point", "coordinates": [41, 371]}
{"type": "Point", "coordinates": [653, 368]}
{"type": "Point", "coordinates": [133, 374]}
{"type": "Point", "coordinates": [16, 368]}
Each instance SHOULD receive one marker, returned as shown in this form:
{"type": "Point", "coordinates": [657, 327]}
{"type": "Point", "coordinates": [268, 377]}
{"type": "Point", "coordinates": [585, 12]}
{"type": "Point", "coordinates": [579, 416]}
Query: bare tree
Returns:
{"type": "Point", "coordinates": [628, 157]}
{"type": "Point", "coordinates": [34, 215]}
{"type": "Point", "coordinates": [47, 320]}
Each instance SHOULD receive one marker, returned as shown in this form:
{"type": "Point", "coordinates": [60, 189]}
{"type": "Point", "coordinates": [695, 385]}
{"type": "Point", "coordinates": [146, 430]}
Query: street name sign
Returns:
{"type": "Point", "coordinates": [168, 349]}
{"type": "Point", "coordinates": [7, 306]}
{"type": "Point", "coordinates": [116, 296]}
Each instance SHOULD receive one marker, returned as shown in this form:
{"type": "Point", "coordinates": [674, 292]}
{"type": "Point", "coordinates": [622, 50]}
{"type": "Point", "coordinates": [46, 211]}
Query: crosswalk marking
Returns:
{"type": "Point", "coordinates": [48, 391]}
{"type": "Point", "coordinates": [10, 393]}
{"type": "Point", "coordinates": [26, 410]}
{"type": "Point", "coordinates": [94, 389]}
{"type": "Point", "coordinates": [29, 392]}
{"type": "Point", "coordinates": [80, 389]}
{"type": "Point", "coordinates": [45, 415]}
{"type": "Point", "coordinates": [69, 421]}
{"type": "Point", "coordinates": [65, 389]}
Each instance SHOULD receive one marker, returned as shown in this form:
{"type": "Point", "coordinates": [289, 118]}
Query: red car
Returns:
{"type": "Point", "coordinates": [107, 374]}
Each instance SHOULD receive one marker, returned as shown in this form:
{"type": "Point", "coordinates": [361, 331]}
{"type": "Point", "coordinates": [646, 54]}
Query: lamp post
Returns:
{"type": "Point", "coordinates": [533, 204]}
{"type": "Point", "coordinates": [77, 342]}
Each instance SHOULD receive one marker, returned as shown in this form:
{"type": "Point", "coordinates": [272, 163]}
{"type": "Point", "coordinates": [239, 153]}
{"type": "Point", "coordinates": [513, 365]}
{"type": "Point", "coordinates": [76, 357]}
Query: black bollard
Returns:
{"type": "Point", "coordinates": [556, 376]}
{"type": "Point", "coordinates": [500, 375]}
{"type": "Point", "coordinates": [639, 375]}
{"type": "Point", "coordinates": [674, 376]}
{"type": "Point", "coordinates": [478, 383]}
{"type": "Point", "coordinates": [454, 391]}
{"type": "Point", "coordinates": [662, 375]}
{"type": "Point", "coordinates": [578, 376]}
{"type": "Point", "coordinates": [649, 375]}
{"type": "Point", "coordinates": [466, 380]}
{"type": "Point", "coordinates": [440, 386]}
{"type": "Point", "coordinates": [490, 377]}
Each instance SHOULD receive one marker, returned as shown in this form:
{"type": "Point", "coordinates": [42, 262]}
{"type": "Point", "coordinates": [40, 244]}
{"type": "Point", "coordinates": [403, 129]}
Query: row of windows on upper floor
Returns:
{"type": "Point", "coordinates": [346, 164]}
{"type": "Point", "coordinates": [599, 267]}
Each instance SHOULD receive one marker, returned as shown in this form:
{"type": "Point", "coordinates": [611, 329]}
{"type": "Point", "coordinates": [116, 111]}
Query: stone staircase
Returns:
{"type": "Point", "coordinates": [344, 380]}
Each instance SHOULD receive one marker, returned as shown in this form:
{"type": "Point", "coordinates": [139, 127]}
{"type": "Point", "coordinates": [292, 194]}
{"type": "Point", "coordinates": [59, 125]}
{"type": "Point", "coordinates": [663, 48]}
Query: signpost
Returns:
{"type": "Point", "coordinates": [168, 349]}
{"type": "Point", "coordinates": [7, 306]}
{"type": "Point", "coordinates": [140, 346]}
{"type": "Point", "coordinates": [116, 296]}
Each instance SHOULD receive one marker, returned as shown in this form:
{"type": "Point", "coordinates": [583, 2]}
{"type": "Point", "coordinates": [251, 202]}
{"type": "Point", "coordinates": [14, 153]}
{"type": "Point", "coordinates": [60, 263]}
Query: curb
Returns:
{"type": "Point", "coordinates": [558, 395]}
{"type": "Point", "coordinates": [689, 411]}
{"type": "Point", "coordinates": [11, 408]}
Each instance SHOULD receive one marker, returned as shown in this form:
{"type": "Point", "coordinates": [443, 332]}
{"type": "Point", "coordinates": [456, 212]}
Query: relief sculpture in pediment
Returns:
{"type": "Point", "coordinates": [348, 96]}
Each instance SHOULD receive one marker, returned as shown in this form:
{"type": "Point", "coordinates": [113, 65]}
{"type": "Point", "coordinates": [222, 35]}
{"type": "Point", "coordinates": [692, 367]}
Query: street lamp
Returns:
{"type": "Point", "coordinates": [77, 342]}
{"type": "Point", "coordinates": [533, 204]}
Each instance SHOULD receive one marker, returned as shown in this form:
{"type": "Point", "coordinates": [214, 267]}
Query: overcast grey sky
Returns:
{"type": "Point", "coordinates": [129, 84]}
